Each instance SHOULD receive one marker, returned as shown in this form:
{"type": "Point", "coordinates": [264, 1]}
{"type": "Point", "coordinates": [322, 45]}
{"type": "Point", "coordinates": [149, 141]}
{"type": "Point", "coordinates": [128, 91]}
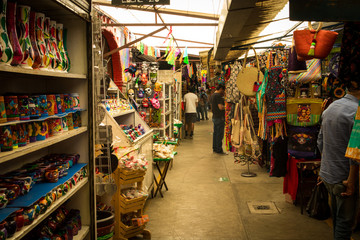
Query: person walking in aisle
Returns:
{"type": "Point", "coordinates": [198, 107]}
{"type": "Point", "coordinates": [337, 123]}
{"type": "Point", "coordinates": [203, 103]}
{"type": "Point", "coordinates": [191, 103]}
{"type": "Point", "coordinates": [218, 110]}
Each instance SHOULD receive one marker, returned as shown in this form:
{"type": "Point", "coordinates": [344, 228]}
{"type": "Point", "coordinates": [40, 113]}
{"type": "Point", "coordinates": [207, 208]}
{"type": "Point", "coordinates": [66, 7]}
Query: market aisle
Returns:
{"type": "Point", "coordinates": [200, 206]}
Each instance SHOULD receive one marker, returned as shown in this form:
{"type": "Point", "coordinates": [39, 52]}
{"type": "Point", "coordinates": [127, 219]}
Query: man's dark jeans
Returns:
{"type": "Point", "coordinates": [218, 135]}
{"type": "Point", "coordinates": [343, 210]}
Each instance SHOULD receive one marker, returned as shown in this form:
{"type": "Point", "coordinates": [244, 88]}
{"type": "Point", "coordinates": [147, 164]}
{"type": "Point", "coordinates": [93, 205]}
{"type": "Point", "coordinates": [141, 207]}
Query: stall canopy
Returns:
{"type": "Point", "coordinates": [194, 23]}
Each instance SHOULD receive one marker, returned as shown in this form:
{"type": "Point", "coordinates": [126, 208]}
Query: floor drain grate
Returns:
{"type": "Point", "coordinates": [262, 207]}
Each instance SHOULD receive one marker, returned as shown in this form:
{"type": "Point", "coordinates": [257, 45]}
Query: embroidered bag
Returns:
{"type": "Point", "coordinates": [302, 142]}
{"type": "Point", "coordinates": [312, 74]}
{"type": "Point", "coordinates": [303, 111]}
{"type": "Point", "coordinates": [232, 92]}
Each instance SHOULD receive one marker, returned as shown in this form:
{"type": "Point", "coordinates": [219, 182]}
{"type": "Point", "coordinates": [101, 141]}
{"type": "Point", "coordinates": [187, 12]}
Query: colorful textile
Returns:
{"type": "Point", "coordinates": [228, 114]}
{"type": "Point", "coordinates": [232, 92]}
{"type": "Point", "coordinates": [275, 95]}
{"type": "Point", "coordinates": [353, 149]}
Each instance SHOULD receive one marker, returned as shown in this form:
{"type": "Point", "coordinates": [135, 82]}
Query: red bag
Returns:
{"type": "Point", "coordinates": [310, 43]}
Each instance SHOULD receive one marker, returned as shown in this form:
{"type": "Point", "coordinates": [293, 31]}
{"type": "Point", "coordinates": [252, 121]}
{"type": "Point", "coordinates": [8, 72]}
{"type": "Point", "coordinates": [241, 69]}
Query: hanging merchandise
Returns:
{"type": "Point", "coordinates": [249, 77]}
{"type": "Point", "coordinates": [353, 149]}
{"type": "Point", "coordinates": [228, 126]}
{"type": "Point", "coordinates": [186, 57]}
{"type": "Point", "coordinates": [275, 100]}
{"type": "Point", "coordinates": [349, 69]}
{"type": "Point", "coordinates": [140, 93]}
{"type": "Point", "coordinates": [232, 92]}
{"type": "Point", "coordinates": [302, 142]}
{"type": "Point", "coordinates": [295, 66]}
{"type": "Point", "coordinates": [237, 128]}
{"type": "Point", "coordinates": [155, 101]}
{"type": "Point", "coordinates": [312, 43]}
{"type": "Point", "coordinates": [303, 110]}
{"type": "Point", "coordinates": [313, 73]}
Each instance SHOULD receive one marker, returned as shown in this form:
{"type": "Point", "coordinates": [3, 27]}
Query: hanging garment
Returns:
{"type": "Point", "coordinates": [353, 149]}
{"type": "Point", "coordinates": [232, 92]}
{"type": "Point", "coordinates": [279, 158]}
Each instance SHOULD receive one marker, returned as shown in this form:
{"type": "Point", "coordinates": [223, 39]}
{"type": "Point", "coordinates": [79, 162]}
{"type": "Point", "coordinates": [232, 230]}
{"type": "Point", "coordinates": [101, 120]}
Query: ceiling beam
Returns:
{"type": "Point", "coordinates": [162, 20]}
{"type": "Point", "coordinates": [131, 43]}
{"type": "Point", "coordinates": [165, 11]}
{"type": "Point", "coordinates": [182, 40]}
{"type": "Point", "coordinates": [160, 24]}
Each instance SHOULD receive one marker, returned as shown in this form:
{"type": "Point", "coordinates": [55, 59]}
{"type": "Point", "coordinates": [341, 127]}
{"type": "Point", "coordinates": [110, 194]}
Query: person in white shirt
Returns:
{"type": "Point", "coordinates": [191, 103]}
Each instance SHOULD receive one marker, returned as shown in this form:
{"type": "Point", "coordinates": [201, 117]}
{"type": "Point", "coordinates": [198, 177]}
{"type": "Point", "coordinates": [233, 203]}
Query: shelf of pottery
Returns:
{"type": "Point", "coordinates": [46, 164]}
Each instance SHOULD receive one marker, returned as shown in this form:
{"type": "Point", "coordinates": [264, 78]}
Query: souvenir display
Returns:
{"type": "Point", "coordinates": [51, 53]}
{"type": "Point", "coordinates": [41, 130]}
{"type": "Point", "coordinates": [69, 121]}
{"type": "Point", "coordinates": [64, 66]}
{"type": "Point", "coordinates": [3, 117]}
{"type": "Point", "coordinates": [302, 142]}
{"type": "Point", "coordinates": [148, 91]}
{"type": "Point", "coordinates": [133, 132]}
{"type": "Point", "coordinates": [51, 105]}
{"type": "Point", "coordinates": [6, 139]}
{"type": "Point", "coordinates": [37, 60]}
{"type": "Point", "coordinates": [155, 101]}
{"type": "Point", "coordinates": [15, 136]}
{"type": "Point", "coordinates": [134, 163]}
{"type": "Point", "coordinates": [11, 30]}
{"type": "Point", "coordinates": [40, 40]}
{"type": "Point", "coordinates": [53, 45]}
{"type": "Point", "coordinates": [76, 101]}
{"type": "Point", "coordinates": [157, 87]}
{"type": "Point", "coordinates": [24, 111]}
{"type": "Point", "coordinates": [64, 125]}
{"type": "Point", "coordinates": [68, 103]}
{"type": "Point", "coordinates": [22, 23]}
{"type": "Point", "coordinates": [163, 151]}
{"type": "Point", "coordinates": [77, 119]}
{"type": "Point", "coordinates": [43, 107]}
{"type": "Point", "coordinates": [34, 107]}
{"type": "Point", "coordinates": [59, 105]}
{"type": "Point", "coordinates": [52, 126]}
{"type": "Point", "coordinates": [12, 109]}
{"type": "Point", "coordinates": [140, 93]}
{"type": "Point", "coordinates": [31, 127]}
{"type": "Point", "coordinates": [232, 92]}
{"type": "Point", "coordinates": [313, 73]}
{"type": "Point", "coordinates": [6, 50]}
{"type": "Point", "coordinates": [131, 94]}
{"type": "Point", "coordinates": [23, 136]}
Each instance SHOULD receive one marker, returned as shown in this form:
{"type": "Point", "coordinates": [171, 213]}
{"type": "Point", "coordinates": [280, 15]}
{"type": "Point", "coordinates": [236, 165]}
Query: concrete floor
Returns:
{"type": "Point", "coordinates": [199, 206]}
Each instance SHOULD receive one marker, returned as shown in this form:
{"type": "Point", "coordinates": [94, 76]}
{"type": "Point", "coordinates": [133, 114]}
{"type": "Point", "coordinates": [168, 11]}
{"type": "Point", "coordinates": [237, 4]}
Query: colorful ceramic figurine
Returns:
{"type": "Point", "coordinates": [11, 29]}
{"type": "Point", "coordinates": [64, 124]}
{"type": "Point", "coordinates": [32, 33]}
{"type": "Point", "coordinates": [34, 107]}
{"type": "Point", "coordinates": [60, 42]}
{"type": "Point", "coordinates": [22, 134]}
{"type": "Point", "coordinates": [40, 40]}
{"type": "Point", "coordinates": [75, 101]}
{"type": "Point", "coordinates": [58, 103]}
{"type": "Point", "coordinates": [6, 52]}
{"type": "Point", "coordinates": [3, 118]}
{"type": "Point", "coordinates": [15, 136]}
{"type": "Point", "coordinates": [53, 45]}
{"type": "Point", "coordinates": [24, 107]}
{"type": "Point", "coordinates": [3, 198]}
{"type": "Point", "coordinates": [22, 26]}
{"type": "Point", "coordinates": [41, 130]}
{"type": "Point", "coordinates": [43, 106]}
{"type": "Point", "coordinates": [51, 105]}
{"type": "Point", "coordinates": [11, 105]}
{"type": "Point", "coordinates": [31, 127]}
{"type": "Point", "coordinates": [69, 121]}
{"type": "Point", "coordinates": [51, 54]}
{"type": "Point", "coordinates": [19, 219]}
{"type": "Point", "coordinates": [68, 103]}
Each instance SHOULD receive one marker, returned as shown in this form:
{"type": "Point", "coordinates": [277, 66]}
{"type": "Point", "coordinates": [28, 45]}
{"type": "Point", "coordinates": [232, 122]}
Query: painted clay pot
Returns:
{"type": "Point", "coordinates": [24, 107]}
{"type": "Point", "coordinates": [3, 198]}
{"type": "Point", "coordinates": [64, 124]}
{"type": "Point", "coordinates": [57, 128]}
{"type": "Point", "coordinates": [75, 101]}
{"type": "Point", "coordinates": [63, 106]}
{"type": "Point", "coordinates": [23, 136]}
{"type": "Point", "coordinates": [10, 226]}
{"type": "Point", "coordinates": [31, 131]}
{"type": "Point", "coordinates": [22, 27]}
{"type": "Point", "coordinates": [3, 231]}
{"type": "Point", "coordinates": [12, 109]}
{"type": "Point", "coordinates": [29, 216]}
{"type": "Point", "coordinates": [6, 51]}
{"type": "Point", "coordinates": [32, 33]}
{"type": "Point", "coordinates": [15, 136]}
{"type": "Point", "coordinates": [19, 219]}
{"type": "Point", "coordinates": [52, 175]}
{"type": "Point", "coordinates": [11, 29]}
{"type": "Point", "coordinates": [41, 130]}
{"type": "Point", "coordinates": [43, 106]}
{"type": "Point", "coordinates": [40, 40]}
{"type": "Point", "coordinates": [3, 118]}
{"type": "Point", "coordinates": [54, 47]}
{"type": "Point", "coordinates": [51, 105]}
{"type": "Point", "coordinates": [42, 205]}
{"type": "Point", "coordinates": [58, 103]}
{"type": "Point", "coordinates": [60, 41]}
{"type": "Point", "coordinates": [34, 107]}
{"type": "Point", "coordinates": [69, 121]}
{"type": "Point", "coordinates": [68, 103]}
{"type": "Point", "coordinates": [51, 125]}
{"type": "Point", "coordinates": [76, 120]}
{"type": "Point", "coordinates": [12, 190]}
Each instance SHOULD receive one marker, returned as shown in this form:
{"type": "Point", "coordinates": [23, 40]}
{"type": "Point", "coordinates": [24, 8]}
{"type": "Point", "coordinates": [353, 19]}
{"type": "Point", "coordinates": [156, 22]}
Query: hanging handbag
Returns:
{"type": "Point", "coordinates": [235, 127]}
{"type": "Point", "coordinates": [232, 92]}
{"type": "Point", "coordinates": [310, 43]}
{"type": "Point", "coordinates": [303, 111]}
{"type": "Point", "coordinates": [249, 77]}
{"type": "Point", "coordinates": [312, 74]}
{"type": "Point", "coordinates": [295, 66]}
{"type": "Point", "coordinates": [302, 142]}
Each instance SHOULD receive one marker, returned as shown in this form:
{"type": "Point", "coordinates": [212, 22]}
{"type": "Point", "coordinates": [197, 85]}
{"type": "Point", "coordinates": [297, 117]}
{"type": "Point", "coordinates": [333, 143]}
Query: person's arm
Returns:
{"type": "Point", "coordinates": [320, 141]}
{"type": "Point", "coordinates": [352, 178]}
{"type": "Point", "coordinates": [197, 101]}
{"type": "Point", "coordinates": [221, 106]}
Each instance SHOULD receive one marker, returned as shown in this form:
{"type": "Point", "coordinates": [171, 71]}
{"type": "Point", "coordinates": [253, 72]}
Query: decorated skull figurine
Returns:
{"type": "Point", "coordinates": [144, 79]}
{"type": "Point", "coordinates": [140, 93]}
{"type": "Point", "coordinates": [131, 94]}
{"type": "Point", "coordinates": [148, 91]}
{"type": "Point", "coordinates": [157, 87]}
{"type": "Point", "coordinates": [153, 71]}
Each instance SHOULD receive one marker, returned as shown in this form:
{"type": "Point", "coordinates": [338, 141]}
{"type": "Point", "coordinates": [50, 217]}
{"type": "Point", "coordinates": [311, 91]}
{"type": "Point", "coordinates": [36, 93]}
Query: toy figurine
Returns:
{"type": "Point", "coordinates": [157, 87]}
{"type": "Point", "coordinates": [140, 93]}
{"type": "Point", "coordinates": [148, 91]}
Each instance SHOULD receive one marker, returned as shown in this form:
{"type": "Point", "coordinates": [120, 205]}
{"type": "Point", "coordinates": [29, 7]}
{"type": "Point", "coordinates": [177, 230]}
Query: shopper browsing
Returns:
{"type": "Point", "coordinates": [218, 110]}
{"type": "Point", "coordinates": [337, 123]}
{"type": "Point", "coordinates": [203, 103]}
{"type": "Point", "coordinates": [191, 103]}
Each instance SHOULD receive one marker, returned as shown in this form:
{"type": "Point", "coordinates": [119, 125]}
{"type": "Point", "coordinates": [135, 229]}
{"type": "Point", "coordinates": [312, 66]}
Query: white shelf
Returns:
{"type": "Point", "coordinates": [32, 147]}
{"type": "Point", "coordinates": [41, 119]}
{"type": "Point", "coordinates": [37, 72]}
{"type": "Point", "coordinates": [51, 209]}
{"type": "Point", "coordinates": [114, 115]}
{"type": "Point", "coordinates": [82, 233]}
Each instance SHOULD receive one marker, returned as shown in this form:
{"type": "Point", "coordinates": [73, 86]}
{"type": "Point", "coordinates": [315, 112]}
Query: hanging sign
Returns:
{"type": "Point", "coordinates": [140, 2]}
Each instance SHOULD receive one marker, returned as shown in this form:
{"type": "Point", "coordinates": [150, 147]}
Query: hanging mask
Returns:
{"type": "Point", "coordinates": [131, 70]}
{"type": "Point", "coordinates": [157, 87]}
{"type": "Point", "coordinates": [143, 115]}
{"type": "Point", "coordinates": [155, 102]}
{"type": "Point", "coordinates": [131, 94]}
{"type": "Point", "coordinates": [148, 91]}
{"type": "Point", "coordinates": [144, 79]}
{"type": "Point", "coordinates": [145, 103]}
{"type": "Point", "coordinates": [140, 93]}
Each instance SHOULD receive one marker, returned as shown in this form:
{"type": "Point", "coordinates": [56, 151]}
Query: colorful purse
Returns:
{"type": "Point", "coordinates": [302, 142]}
{"type": "Point", "coordinates": [312, 74]}
{"type": "Point", "coordinates": [248, 77]}
{"type": "Point", "coordinates": [303, 111]}
{"type": "Point", "coordinates": [312, 43]}
{"type": "Point", "coordinates": [232, 92]}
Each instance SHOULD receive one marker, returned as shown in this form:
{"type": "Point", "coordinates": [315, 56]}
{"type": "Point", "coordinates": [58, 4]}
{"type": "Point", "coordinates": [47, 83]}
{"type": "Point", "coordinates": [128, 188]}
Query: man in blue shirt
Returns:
{"type": "Point", "coordinates": [336, 127]}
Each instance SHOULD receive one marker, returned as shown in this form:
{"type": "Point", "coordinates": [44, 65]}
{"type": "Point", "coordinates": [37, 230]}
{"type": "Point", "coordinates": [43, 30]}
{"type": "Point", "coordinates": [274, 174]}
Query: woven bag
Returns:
{"type": "Point", "coordinates": [312, 74]}
{"type": "Point", "coordinates": [232, 92]}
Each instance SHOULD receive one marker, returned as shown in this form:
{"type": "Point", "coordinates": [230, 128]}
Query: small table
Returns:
{"type": "Point", "coordinates": [305, 165]}
{"type": "Point", "coordinates": [162, 174]}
